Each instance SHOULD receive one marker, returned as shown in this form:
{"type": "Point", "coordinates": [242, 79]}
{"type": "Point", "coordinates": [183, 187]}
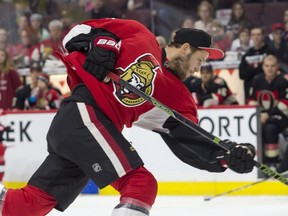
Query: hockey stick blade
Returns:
{"type": "Point", "coordinates": [208, 198]}
{"type": "Point", "coordinates": [265, 169]}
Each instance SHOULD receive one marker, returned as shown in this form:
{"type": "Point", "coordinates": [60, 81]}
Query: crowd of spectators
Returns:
{"type": "Point", "coordinates": [33, 30]}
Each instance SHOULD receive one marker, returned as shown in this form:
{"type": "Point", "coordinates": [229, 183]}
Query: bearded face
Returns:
{"type": "Point", "coordinates": [181, 66]}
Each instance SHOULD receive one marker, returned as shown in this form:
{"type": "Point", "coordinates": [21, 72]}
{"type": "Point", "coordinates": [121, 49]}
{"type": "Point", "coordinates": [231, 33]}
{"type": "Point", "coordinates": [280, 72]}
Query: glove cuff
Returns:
{"type": "Point", "coordinates": [107, 43]}
{"type": "Point", "coordinates": [220, 157]}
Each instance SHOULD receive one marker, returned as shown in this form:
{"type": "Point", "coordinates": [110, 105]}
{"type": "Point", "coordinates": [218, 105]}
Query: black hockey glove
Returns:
{"type": "Point", "coordinates": [240, 157]}
{"type": "Point", "coordinates": [104, 49]}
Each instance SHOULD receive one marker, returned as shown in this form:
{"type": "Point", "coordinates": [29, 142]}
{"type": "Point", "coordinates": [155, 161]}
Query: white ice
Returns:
{"type": "Point", "coordinates": [95, 205]}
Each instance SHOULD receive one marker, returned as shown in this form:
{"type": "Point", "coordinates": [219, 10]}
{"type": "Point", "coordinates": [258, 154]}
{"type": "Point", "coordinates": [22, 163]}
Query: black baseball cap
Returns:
{"type": "Point", "coordinates": [199, 39]}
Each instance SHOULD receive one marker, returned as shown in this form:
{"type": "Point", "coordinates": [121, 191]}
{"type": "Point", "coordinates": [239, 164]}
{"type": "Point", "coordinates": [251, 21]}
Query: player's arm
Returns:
{"type": "Point", "coordinates": [282, 106]}
{"type": "Point", "coordinates": [201, 94]}
{"type": "Point", "coordinates": [207, 97]}
{"type": "Point", "coordinates": [192, 83]}
{"type": "Point", "coordinates": [225, 93]}
{"type": "Point", "coordinates": [99, 45]}
{"type": "Point", "coordinates": [197, 151]}
{"type": "Point", "coordinates": [252, 98]}
{"type": "Point", "coordinates": [245, 71]}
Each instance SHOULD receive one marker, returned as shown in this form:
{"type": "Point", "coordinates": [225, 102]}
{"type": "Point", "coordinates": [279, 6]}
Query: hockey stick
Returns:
{"type": "Point", "coordinates": [208, 198]}
{"type": "Point", "coordinates": [265, 169]}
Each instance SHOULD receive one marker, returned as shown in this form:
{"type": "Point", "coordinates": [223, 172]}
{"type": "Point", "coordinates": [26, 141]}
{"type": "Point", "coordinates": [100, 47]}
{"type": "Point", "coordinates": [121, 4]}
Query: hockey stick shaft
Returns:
{"type": "Point", "coordinates": [265, 169]}
{"type": "Point", "coordinates": [241, 187]}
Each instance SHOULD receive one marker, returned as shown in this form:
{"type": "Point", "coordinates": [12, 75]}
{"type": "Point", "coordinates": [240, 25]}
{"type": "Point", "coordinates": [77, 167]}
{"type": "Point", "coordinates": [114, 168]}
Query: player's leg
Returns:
{"type": "Point", "coordinates": [26, 201]}
{"type": "Point", "coordinates": [2, 160]}
{"type": "Point", "coordinates": [138, 190]}
{"type": "Point", "coordinates": [55, 184]}
{"type": "Point", "coordinates": [282, 125]}
{"type": "Point", "coordinates": [270, 142]}
{"type": "Point", "coordinates": [284, 162]}
{"type": "Point", "coordinates": [58, 181]}
{"type": "Point", "coordinates": [84, 143]}
{"type": "Point", "coordinates": [106, 156]}
{"type": "Point", "coordinates": [99, 148]}
{"type": "Point", "coordinates": [89, 145]}
{"type": "Point", "coordinates": [275, 125]}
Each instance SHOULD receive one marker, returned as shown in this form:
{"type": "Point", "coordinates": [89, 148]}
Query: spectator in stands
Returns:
{"type": "Point", "coordinates": [251, 62]}
{"type": "Point", "coordinates": [100, 10]}
{"type": "Point", "coordinates": [277, 43]}
{"type": "Point", "coordinates": [87, 5]}
{"type": "Point", "coordinates": [243, 43]}
{"type": "Point", "coordinates": [285, 16]}
{"type": "Point", "coordinates": [83, 3]}
{"type": "Point", "coordinates": [206, 13]}
{"type": "Point", "coordinates": [22, 8]}
{"type": "Point", "coordinates": [20, 11]}
{"type": "Point", "coordinates": [140, 11]}
{"type": "Point", "coordinates": [277, 31]}
{"type": "Point", "coordinates": [9, 81]}
{"type": "Point", "coordinates": [161, 41]}
{"type": "Point", "coordinates": [47, 98]}
{"type": "Point", "coordinates": [40, 32]}
{"type": "Point", "coordinates": [15, 33]}
{"type": "Point", "coordinates": [238, 20]}
{"type": "Point", "coordinates": [210, 89]}
{"type": "Point", "coordinates": [286, 31]}
{"type": "Point", "coordinates": [54, 42]}
{"type": "Point", "coordinates": [188, 22]}
{"type": "Point", "coordinates": [138, 4]}
{"type": "Point", "coordinates": [269, 90]}
{"type": "Point", "coordinates": [26, 96]}
{"type": "Point", "coordinates": [220, 39]}
{"type": "Point", "coordinates": [4, 43]}
{"type": "Point", "coordinates": [25, 50]}
{"type": "Point", "coordinates": [53, 8]}
{"type": "Point", "coordinates": [67, 22]}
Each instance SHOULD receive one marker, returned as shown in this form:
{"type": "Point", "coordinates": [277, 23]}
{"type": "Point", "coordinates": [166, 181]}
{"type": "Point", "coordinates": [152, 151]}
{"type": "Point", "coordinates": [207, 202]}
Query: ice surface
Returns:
{"type": "Point", "coordinates": [95, 205]}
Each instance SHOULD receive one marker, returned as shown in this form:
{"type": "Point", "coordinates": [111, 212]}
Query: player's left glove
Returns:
{"type": "Point", "coordinates": [240, 157]}
{"type": "Point", "coordinates": [104, 49]}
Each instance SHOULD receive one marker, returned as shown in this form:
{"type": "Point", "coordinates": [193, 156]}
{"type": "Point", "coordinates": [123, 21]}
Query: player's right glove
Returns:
{"type": "Point", "coordinates": [103, 51]}
{"type": "Point", "coordinates": [240, 158]}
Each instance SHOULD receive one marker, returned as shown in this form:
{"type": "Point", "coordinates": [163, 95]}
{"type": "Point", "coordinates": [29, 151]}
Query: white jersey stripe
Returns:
{"type": "Point", "coordinates": [2, 168]}
{"type": "Point", "coordinates": [100, 139]}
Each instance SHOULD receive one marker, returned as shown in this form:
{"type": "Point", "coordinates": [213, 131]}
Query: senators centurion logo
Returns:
{"type": "Point", "coordinates": [141, 74]}
{"type": "Point", "coordinates": [267, 99]}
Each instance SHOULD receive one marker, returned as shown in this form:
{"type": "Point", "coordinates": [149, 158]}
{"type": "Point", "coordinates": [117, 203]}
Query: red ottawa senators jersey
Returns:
{"type": "Point", "coordinates": [271, 96]}
{"type": "Point", "coordinates": [140, 64]}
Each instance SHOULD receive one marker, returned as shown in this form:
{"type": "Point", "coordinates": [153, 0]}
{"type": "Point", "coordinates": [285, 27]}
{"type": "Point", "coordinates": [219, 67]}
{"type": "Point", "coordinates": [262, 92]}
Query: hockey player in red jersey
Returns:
{"type": "Point", "coordinates": [85, 139]}
{"type": "Point", "coordinates": [3, 127]}
{"type": "Point", "coordinates": [209, 89]}
{"type": "Point", "coordinates": [269, 91]}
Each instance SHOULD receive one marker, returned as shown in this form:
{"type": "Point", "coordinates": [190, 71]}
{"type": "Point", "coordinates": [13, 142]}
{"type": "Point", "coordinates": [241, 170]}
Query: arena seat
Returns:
{"type": "Point", "coordinates": [141, 15]}
{"type": "Point", "coordinates": [273, 13]}
{"type": "Point", "coordinates": [254, 12]}
{"type": "Point", "coordinates": [117, 6]}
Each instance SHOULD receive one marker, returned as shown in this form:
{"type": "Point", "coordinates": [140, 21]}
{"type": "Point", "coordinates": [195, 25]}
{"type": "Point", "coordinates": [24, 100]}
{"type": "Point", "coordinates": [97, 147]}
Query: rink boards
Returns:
{"type": "Point", "coordinates": [27, 149]}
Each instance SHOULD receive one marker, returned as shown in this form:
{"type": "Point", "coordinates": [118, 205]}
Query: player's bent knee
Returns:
{"type": "Point", "coordinates": [139, 184]}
